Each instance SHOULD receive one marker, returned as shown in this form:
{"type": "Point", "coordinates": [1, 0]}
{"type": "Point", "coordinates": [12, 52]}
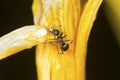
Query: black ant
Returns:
{"type": "Point", "coordinates": [63, 44]}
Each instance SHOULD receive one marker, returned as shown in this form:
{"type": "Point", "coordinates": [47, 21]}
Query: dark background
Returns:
{"type": "Point", "coordinates": [103, 50]}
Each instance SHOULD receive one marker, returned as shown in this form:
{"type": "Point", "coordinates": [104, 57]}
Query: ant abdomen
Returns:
{"type": "Point", "coordinates": [65, 47]}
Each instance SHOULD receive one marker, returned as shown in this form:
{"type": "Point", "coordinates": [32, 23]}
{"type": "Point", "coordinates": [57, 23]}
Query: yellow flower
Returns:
{"type": "Point", "coordinates": [76, 20]}
{"type": "Point", "coordinates": [77, 25]}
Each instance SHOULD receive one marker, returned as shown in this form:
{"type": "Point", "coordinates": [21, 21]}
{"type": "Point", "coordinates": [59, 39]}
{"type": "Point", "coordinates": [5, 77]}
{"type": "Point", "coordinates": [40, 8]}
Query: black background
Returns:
{"type": "Point", "coordinates": [102, 56]}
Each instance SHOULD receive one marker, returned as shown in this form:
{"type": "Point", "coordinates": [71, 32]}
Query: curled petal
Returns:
{"type": "Point", "coordinates": [20, 39]}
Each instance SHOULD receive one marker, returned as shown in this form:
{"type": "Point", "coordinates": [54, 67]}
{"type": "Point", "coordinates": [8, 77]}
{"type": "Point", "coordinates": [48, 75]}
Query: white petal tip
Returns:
{"type": "Point", "coordinates": [41, 32]}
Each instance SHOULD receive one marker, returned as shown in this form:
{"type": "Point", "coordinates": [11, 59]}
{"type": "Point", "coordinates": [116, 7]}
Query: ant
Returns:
{"type": "Point", "coordinates": [63, 44]}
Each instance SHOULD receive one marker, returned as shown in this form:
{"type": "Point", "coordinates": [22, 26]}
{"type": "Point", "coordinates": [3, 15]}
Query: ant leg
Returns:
{"type": "Point", "coordinates": [58, 26]}
{"type": "Point", "coordinates": [64, 36]}
{"type": "Point", "coordinates": [61, 33]}
{"type": "Point", "coordinates": [62, 50]}
{"type": "Point", "coordinates": [52, 41]}
{"type": "Point", "coordinates": [69, 40]}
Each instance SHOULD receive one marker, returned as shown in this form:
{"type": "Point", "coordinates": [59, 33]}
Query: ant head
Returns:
{"type": "Point", "coordinates": [54, 31]}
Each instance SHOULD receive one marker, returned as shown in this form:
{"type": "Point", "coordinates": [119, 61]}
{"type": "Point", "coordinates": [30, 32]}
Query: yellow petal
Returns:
{"type": "Point", "coordinates": [86, 21]}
